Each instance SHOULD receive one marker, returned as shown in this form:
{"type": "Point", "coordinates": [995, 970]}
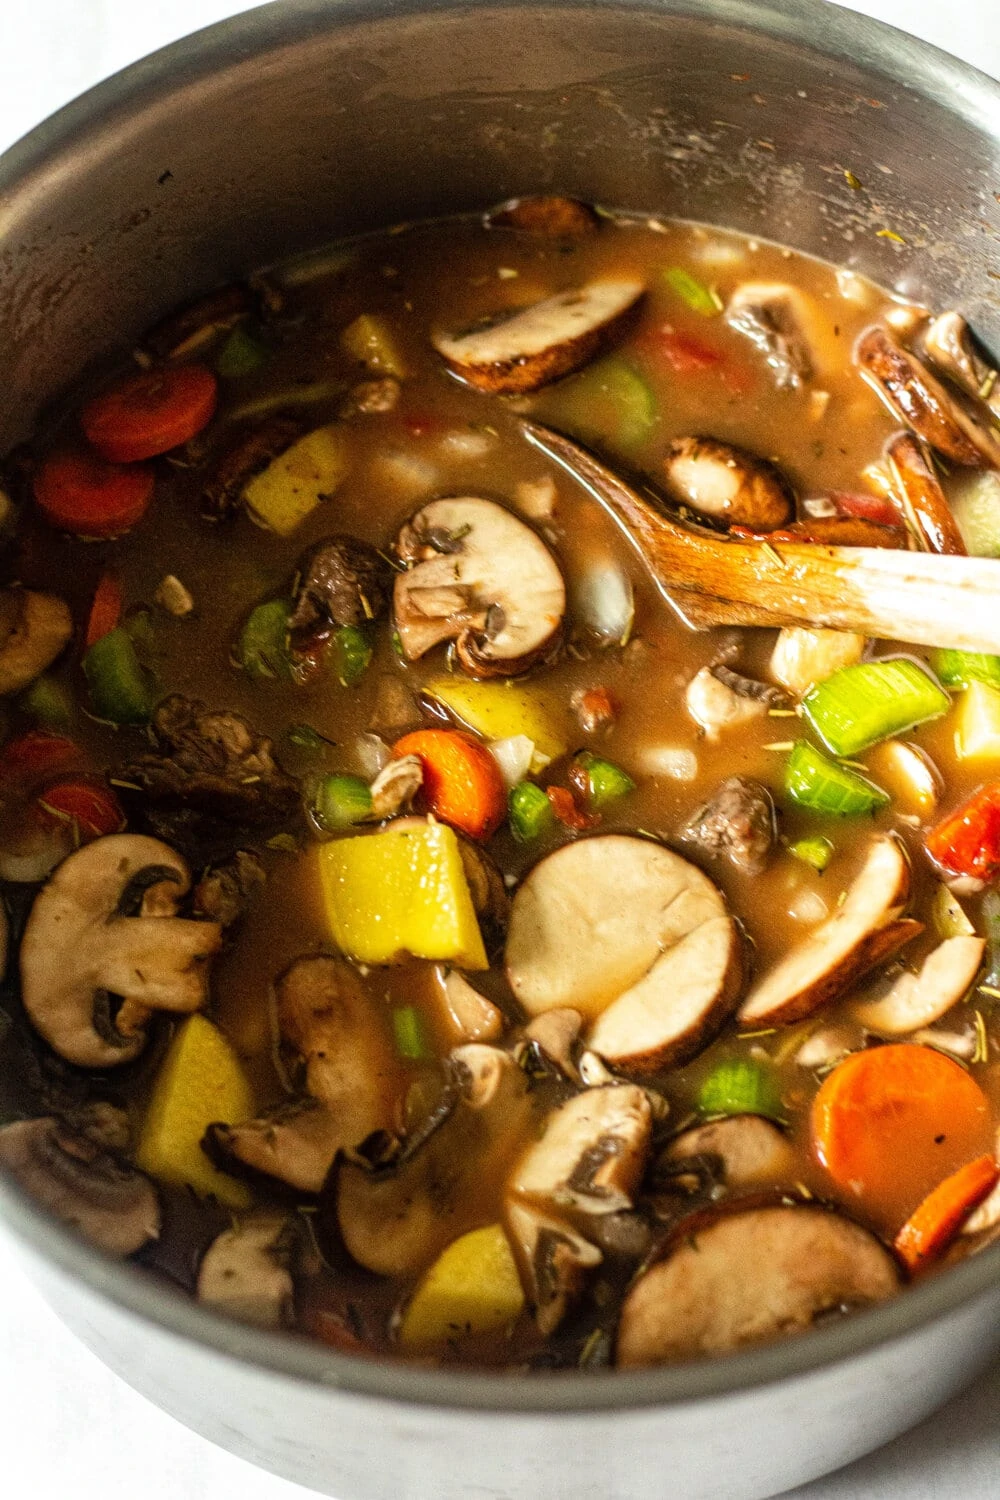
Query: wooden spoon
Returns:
{"type": "Point", "coordinates": [711, 579]}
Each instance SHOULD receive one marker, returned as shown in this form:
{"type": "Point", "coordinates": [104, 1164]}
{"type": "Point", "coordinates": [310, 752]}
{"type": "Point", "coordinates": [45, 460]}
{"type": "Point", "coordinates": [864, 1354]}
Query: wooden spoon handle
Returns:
{"type": "Point", "coordinates": [710, 579]}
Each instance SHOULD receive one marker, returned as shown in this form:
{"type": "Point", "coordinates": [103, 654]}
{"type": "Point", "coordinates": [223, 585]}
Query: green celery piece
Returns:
{"type": "Point", "coordinates": [241, 354]}
{"type": "Point", "coordinates": [699, 297]}
{"type": "Point", "coordinates": [341, 802]}
{"type": "Point", "coordinates": [120, 689]}
{"type": "Point", "coordinates": [608, 403]}
{"type": "Point", "coordinates": [957, 669]}
{"type": "Point", "coordinates": [740, 1086]}
{"type": "Point", "coordinates": [530, 811]}
{"type": "Point", "coordinates": [815, 852]}
{"type": "Point", "coordinates": [49, 701]}
{"type": "Point", "coordinates": [605, 782]}
{"type": "Point", "coordinates": [352, 654]}
{"type": "Point", "coordinates": [861, 705]}
{"type": "Point", "coordinates": [409, 1034]}
{"type": "Point", "coordinates": [820, 784]}
{"type": "Point", "coordinates": [263, 648]}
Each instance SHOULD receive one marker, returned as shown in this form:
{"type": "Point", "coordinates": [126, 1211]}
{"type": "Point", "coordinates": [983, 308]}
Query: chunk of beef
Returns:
{"type": "Point", "coordinates": [341, 582]}
{"type": "Point", "coordinates": [226, 890]}
{"type": "Point", "coordinates": [246, 457]}
{"type": "Point", "coordinates": [737, 822]}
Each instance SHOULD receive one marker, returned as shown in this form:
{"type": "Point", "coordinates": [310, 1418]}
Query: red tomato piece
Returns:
{"type": "Point", "coordinates": [967, 841]}
{"type": "Point", "coordinates": [106, 609]}
{"type": "Point", "coordinates": [86, 803]}
{"type": "Point", "coordinates": [33, 757]}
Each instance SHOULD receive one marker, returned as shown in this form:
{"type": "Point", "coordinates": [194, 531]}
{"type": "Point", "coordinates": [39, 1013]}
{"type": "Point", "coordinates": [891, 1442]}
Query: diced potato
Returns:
{"type": "Point", "coordinates": [977, 723]}
{"type": "Point", "coordinates": [295, 482]}
{"type": "Point", "coordinates": [803, 657]}
{"type": "Point", "coordinates": [909, 774]}
{"type": "Point", "coordinates": [499, 710]}
{"type": "Point", "coordinates": [200, 1082]}
{"type": "Point", "coordinates": [401, 891]}
{"type": "Point", "coordinates": [472, 1287]}
{"type": "Point", "coordinates": [370, 341]}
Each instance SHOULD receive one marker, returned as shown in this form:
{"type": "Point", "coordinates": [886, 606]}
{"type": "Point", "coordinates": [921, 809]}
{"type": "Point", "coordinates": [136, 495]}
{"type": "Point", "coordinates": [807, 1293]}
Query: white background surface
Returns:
{"type": "Point", "coordinates": [69, 1430]}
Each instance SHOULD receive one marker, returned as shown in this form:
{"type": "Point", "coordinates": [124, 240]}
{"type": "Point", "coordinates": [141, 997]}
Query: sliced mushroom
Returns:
{"type": "Point", "coordinates": [524, 350]}
{"type": "Point", "coordinates": [395, 786]}
{"type": "Point", "coordinates": [555, 1033]}
{"type": "Point", "coordinates": [553, 1259]}
{"type": "Point", "coordinates": [737, 823]}
{"type": "Point", "coordinates": [548, 216]}
{"type": "Point", "coordinates": [865, 930]}
{"type": "Point", "coordinates": [635, 938]}
{"type": "Point", "coordinates": [83, 946]}
{"type": "Point", "coordinates": [249, 455]}
{"type": "Point", "coordinates": [482, 1073]}
{"type": "Point", "coordinates": [341, 581]}
{"type": "Point", "coordinates": [480, 577]}
{"type": "Point", "coordinates": [728, 484]}
{"type": "Point", "coordinates": [826, 1047]}
{"type": "Point", "coordinates": [910, 390]}
{"type": "Point", "coordinates": [225, 892]}
{"type": "Point", "coordinates": [949, 345]}
{"type": "Point", "coordinates": [771, 317]}
{"type": "Point", "coordinates": [749, 1149]}
{"type": "Point", "coordinates": [469, 1015]}
{"type": "Point", "coordinates": [244, 1272]}
{"type": "Point", "coordinates": [749, 1276]}
{"type": "Point", "coordinates": [394, 1220]}
{"type": "Point", "coordinates": [592, 1154]}
{"type": "Point", "coordinates": [34, 628]}
{"type": "Point", "coordinates": [715, 704]}
{"type": "Point", "coordinates": [107, 1202]}
{"type": "Point", "coordinates": [924, 501]}
{"type": "Point", "coordinates": [333, 1048]}
{"type": "Point", "coordinates": [916, 1000]}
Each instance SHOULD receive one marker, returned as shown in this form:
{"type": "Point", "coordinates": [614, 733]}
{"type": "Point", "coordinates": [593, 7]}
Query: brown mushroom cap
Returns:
{"type": "Point", "coordinates": [924, 501]}
{"type": "Point", "coordinates": [750, 1149]}
{"type": "Point", "coordinates": [921, 401]}
{"type": "Point", "coordinates": [110, 1204]}
{"type": "Point", "coordinates": [728, 484]}
{"type": "Point", "coordinates": [482, 578]}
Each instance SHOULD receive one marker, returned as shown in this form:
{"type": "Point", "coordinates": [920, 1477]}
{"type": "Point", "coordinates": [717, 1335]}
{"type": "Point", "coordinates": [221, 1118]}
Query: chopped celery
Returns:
{"type": "Point", "coordinates": [398, 891]}
{"type": "Point", "coordinates": [120, 688]}
{"type": "Point", "coordinates": [307, 739]}
{"type": "Point", "coordinates": [241, 354]}
{"type": "Point", "coordinates": [472, 1288]}
{"type": "Point", "coordinates": [601, 781]}
{"type": "Point", "coordinates": [699, 297]}
{"type": "Point", "coordinates": [341, 801]}
{"type": "Point", "coordinates": [977, 723]}
{"type": "Point", "coordinates": [959, 669]}
{"type": "Point", "coordinates": [530, 811]}
{"type": "Point", "coordinates": [609, 402]}
{"type": "Point", "coordinates": [814, 781]}
{"type": "Point", "coordinates": [370, 341]}
{"type": "Point", "coordinates": [501, 710]}
{"type": "Point", "coordinates": [740, 1086]}
{"type": "Point", "coordinates": [298, 480]}
{"type": "Point", "coordinates": [352, 654]}
{"type": "Point", "coordinates": [409, 1034]}
{"type": "Point", "coordinates": [861, 705]}
{"type": "Point", "coordinates": [263, 647]}
{"type": "Point", "coordinates": [815, 852]}
{"type": "Point", "coordinates": [49, 702]}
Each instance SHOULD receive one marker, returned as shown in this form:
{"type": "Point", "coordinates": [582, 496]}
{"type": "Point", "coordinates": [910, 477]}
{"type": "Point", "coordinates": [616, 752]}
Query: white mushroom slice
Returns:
{"type": "Point", "coordinates": [826, 1047]}
{"type": "Point", "coordinates": [481, 578]}
{"type": "Point", "coordinates": [556, 1033]}
{"type": "Point", "coordinates": [921, 401]}
{"type": "Point", "coordinates": [803, 657]}
{"type": "Point", "coordinates": [715, 706]}
{"type": "Point", "coordinates": [949, 346]}
{"type": "Point", "coordinates": [34, 628]}
{"type": "Point", "coordinates": [865, 930]}
{"type": "Point", "coordinates": [244, 1272]}
{"type": "Point", "coordinates": [728, 483]}
{"type": "Point", "coordinates": [635, 938]}
{"type": "Point", "coordinates": [395, 786]}
{"type": "Point", "coordinates": [917, 1000]}
{"type": "Point", "coordinates": [80, 949]}
{"type": "Point", "coordinates": [750, 1276]}
{"type": "Point", "coordinates": [296, 1144]}
{"type": "Point", "coordinates": [469, 1015]}
{"type": "Point", "coordinates": [749, 1148]}
{"type": "Point", "coordinates": [532, 347]}
{"type": "Point", "coordinates": [553, 1260]}
{"type": "Point", "coordinates": [772, 316]}
{"type": "Point", "coordinates": [593, 1153]}
{"type": "Point", "coordinates": [107, 1202]}
{"type": "Point", "coordinates": [483, 1073]}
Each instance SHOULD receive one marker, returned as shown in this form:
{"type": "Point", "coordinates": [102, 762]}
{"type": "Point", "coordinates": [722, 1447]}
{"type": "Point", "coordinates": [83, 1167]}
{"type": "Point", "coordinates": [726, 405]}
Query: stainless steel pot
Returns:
{"type": "Point", "coordinates": [308, 120]}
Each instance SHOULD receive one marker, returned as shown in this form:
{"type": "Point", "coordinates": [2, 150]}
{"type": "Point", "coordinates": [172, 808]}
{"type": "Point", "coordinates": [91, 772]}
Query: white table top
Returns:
{"type": "Point", "coordinates": [68, 1427]}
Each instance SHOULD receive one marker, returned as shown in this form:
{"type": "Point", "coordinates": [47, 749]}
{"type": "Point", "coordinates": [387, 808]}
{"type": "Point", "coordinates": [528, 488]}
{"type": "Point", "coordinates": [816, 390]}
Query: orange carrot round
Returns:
{"type": "Point", "coordinates": [932, 1226]}
{"type": "Point", "coordinates": [79, 492]}
{"type": "Point", "coordinates": [106, 608]}
{"type": "Point", "coordinates": [150, 413]}
{"type": "Point", "coordinates": [889, 1123]}
{"type": "Point", "coordinates": [462, 782]}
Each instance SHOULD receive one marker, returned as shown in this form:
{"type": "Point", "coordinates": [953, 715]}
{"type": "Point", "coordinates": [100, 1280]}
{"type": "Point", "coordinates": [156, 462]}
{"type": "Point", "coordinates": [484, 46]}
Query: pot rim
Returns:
{"type": "Point", "coordinates": [815, 25]}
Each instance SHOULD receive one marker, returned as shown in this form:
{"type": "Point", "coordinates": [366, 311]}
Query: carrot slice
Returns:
{"type": "Point", "coordinates": [890, 1122]}
{"type": "Point", "coordinates": [462, 782]}
{"type": "Point", "coordinates": [106, 609]}
{"type": "Point", "coordinates": [933, 1225]}
{"type": "Point", "coordinates": [150, 413]}
{"type": "Point", "coordinates": [92, 809]}
{"type": "Point", "coordinates": [80, 493]}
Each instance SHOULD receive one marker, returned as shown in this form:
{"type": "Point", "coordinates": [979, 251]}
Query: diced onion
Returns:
{"type": "Point", "coordinates": [371, 754]}
{"type": "Point", "coordinates": [669, 760]}
{"type": "Point", "coordinates": [466, 444]}
{"type": "Point", "coordinates": [515, 756]}
{"type": "Point", "coordinates": [604, 602]}
{"type": "Point", "coordinates": [406, 473]}
{"type": "Point", "coordinates": [820, 507]}
{"type": "Point", "coordinates": [807, 906]}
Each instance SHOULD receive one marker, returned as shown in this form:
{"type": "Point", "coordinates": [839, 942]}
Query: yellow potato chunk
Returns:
{"type": "Point", "coordinates": [499, 710]}
{"type": "Point", "coordinates": [200, 1082]}
{"type": "Point", "coordinates": [472, 1287]}
{"type": "Point", "coordinates": [977, 723]}
{"type": "Point", "coordinates": [400, 891]}
{"type": "Point", "coordinates": [295, 482]}
{"type": "Point", "coordinates": [370, 341]}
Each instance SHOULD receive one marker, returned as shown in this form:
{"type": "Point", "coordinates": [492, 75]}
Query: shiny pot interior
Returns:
{"type": "Point", "coordinates": [305, 121]}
